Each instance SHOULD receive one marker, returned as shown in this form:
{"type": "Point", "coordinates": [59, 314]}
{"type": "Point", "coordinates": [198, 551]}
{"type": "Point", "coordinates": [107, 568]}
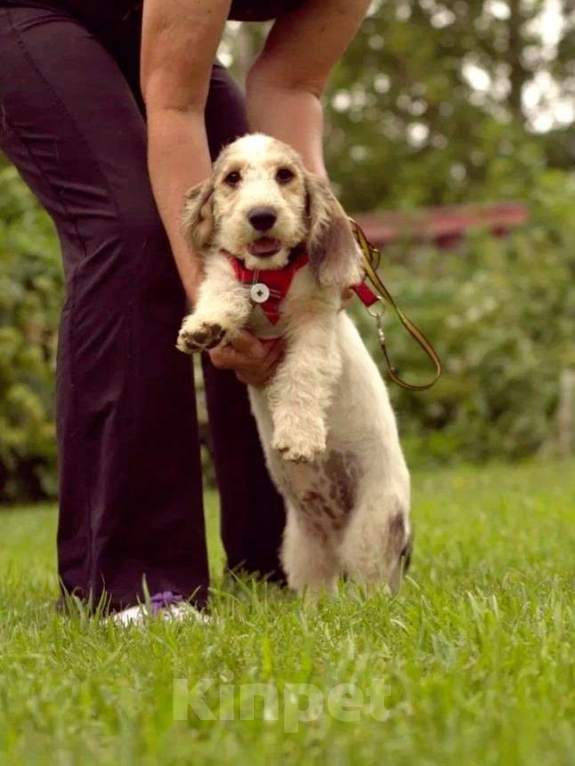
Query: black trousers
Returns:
{"type": "Point", "coordinates": [71, 120]}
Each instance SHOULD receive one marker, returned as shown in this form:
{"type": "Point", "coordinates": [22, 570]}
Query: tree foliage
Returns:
{"type": "Point", "coordinates": [501, 313]}
{"type": "Point", "coordinates": [438, 102]}
{"type": "Point", "coordinates": [30, 299]}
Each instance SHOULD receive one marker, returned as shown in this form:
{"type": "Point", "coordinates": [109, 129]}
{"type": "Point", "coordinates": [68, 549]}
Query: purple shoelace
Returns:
{"type": "Point", "coordinates": [164, 600]}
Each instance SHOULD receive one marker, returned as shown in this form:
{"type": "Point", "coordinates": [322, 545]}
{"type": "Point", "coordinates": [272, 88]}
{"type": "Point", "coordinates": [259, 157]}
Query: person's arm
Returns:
{"type": "Point", "coordinates": [285, 84]}
{"type": "Point", "coordinates": [179, 44]}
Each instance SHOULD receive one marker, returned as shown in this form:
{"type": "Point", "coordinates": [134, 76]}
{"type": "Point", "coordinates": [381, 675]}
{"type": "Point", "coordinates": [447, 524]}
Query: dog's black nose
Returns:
{"type": "Point", "coordinates": [262, 218]}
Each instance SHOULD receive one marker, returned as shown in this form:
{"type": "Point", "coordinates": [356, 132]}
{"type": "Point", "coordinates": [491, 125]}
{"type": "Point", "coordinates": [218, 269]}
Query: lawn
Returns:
{"type": "Point", "coordinates": [474, 660]}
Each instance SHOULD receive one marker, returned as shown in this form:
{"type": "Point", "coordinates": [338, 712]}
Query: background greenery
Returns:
{"type": "Point", "coordinates": [30, 300]}
{"type": "Point", "coordinates": [433, 104]}
{"type": "Point", "coordinates": [501, 313]}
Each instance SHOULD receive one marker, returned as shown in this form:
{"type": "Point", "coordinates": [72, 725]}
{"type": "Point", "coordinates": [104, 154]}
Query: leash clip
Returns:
{"type": "Point", "coordinates": [378, 316]}
{"type": "Point", "coordinates": [380, 330]}
{"type": "Point", "coordinates": [381, 307]}
{"type": "Point", "coordinates": [393, 371]}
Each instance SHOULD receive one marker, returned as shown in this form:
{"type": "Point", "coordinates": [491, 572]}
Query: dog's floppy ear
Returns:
{"type": "Point", "coordinates": [334, 254]}
{"type": "Point", "coordinates": [198, 217]}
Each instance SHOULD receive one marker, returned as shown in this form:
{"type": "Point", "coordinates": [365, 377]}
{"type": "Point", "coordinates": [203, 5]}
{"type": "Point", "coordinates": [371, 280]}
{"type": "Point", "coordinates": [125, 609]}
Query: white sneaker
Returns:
{"type": "Point", "coordinates": [162, 606]}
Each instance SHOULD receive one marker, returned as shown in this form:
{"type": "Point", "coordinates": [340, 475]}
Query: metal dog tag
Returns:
{"type": "Point", "coordinates": [259, 293]}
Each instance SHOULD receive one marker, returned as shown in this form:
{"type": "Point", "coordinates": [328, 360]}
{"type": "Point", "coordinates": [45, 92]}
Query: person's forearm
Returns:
{"type": "Point", "coordinates": [178, 158]}
{"type": "Point", "coordinates": [179, 43]}
{"type": "Point", "coordinates": [293, 115]}
{"type": "Point", "coordinates": [289, 77]}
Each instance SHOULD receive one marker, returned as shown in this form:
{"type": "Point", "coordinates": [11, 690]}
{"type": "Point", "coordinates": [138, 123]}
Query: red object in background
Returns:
{"type": "Point", "coordinates": [445, 226]}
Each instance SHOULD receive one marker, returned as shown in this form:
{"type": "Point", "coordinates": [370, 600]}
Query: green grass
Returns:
{"type": "Point", "coordinates": [477, 651]}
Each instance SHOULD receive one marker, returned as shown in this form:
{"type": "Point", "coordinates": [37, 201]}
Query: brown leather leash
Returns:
{"type": "Point", "coordinates": [378, 295]}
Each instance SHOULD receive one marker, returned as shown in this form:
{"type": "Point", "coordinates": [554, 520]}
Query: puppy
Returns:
{"type": "Point", "coordinates": [278, 251]}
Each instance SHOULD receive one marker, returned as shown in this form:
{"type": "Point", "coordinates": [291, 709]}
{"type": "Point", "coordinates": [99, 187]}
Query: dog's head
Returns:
{"type": "Point", "coordinates": [261, 202]}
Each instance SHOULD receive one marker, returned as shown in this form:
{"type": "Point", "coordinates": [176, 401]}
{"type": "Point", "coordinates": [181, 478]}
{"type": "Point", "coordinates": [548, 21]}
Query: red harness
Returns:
{"type": "Point", "coordinates": [365, 294]}
{"type": "Point", "coordinates": [270, 286]}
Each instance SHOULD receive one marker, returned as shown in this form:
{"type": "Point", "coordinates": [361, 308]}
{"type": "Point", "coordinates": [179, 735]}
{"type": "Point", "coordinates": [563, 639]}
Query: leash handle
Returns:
{"type": "Point", "coordinates": [370, 255]}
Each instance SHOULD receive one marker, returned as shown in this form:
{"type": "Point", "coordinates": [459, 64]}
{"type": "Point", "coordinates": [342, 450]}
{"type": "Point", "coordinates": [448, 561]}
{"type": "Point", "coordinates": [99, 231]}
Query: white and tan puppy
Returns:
{"type": "Point", "coordinates": [325, 419]}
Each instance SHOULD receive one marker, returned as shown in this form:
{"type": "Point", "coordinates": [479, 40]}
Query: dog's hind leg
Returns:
{"type": "Point", "coordinates": [308, 554]}
{"type": "Point", "coordinates": [377, 543]}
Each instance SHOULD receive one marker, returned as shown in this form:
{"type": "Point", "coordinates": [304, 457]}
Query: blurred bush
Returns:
{"type": "Point", "coordinates": [30, 300]}
{"type": "Point", "coordinates": [501, 312]}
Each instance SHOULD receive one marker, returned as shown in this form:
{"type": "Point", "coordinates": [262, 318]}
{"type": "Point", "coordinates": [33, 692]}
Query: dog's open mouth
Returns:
{"type": "Point", "coordinates": [264, 247]}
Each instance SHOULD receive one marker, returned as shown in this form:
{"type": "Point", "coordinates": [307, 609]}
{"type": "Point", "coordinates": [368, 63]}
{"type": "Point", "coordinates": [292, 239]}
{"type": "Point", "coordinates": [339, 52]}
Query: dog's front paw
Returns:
{"type": "Point", "coordinates": [199, 336]}
{"type": "Point", "coordinates": [300, 445]}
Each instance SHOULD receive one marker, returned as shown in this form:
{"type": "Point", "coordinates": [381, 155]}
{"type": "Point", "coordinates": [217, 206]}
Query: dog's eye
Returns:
{"type": "Point", "coordinates": [233, 178]}
{"type": "Point", "coordinates": [284, 175]}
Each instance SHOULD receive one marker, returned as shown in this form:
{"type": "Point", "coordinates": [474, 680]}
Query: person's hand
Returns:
{"type": "Point", "coordinates": [254, 361]}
